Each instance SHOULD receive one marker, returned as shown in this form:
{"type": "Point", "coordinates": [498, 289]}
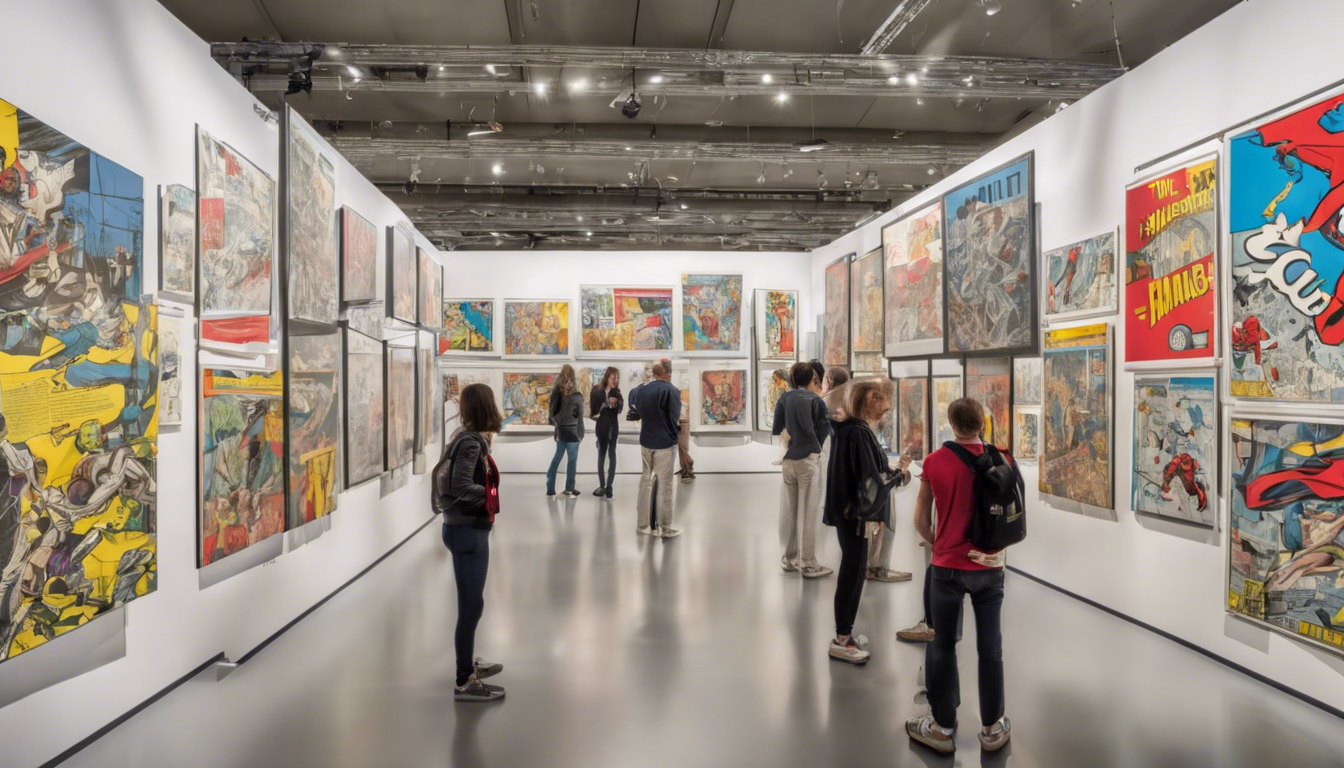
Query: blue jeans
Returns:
{"type": "Point", "coordinates": [560, 450]}
{"type": "Point", "coordinates": [947, 588]}
{"type": "Point", "coordinates": [471, 559]}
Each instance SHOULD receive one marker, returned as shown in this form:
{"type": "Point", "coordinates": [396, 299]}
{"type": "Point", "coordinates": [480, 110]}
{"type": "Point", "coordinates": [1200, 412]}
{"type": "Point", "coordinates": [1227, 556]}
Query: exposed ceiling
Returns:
{"type": "Point", "coordinates": [762, 125]}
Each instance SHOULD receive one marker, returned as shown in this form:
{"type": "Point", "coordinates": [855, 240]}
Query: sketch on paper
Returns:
{"type": "Point", "coordinates": [527, 400]}
{"type": "Point", "coordinates": [401, 273]}
{"type": "Point", "coordinates": [400, 406]}
{"type": "Point", "coordinates": [912, 402]}
{"type": "Point", "coordinates": [536, 328]}
{"type": "Point", "coordinates": [310, 200]}
{"type": "Point", "coordinates": [314, 425]}
{"type": "Point", "coordinates": [427, 401]}
{"type": "Point", "coordinates": [359, 257]}
{"type": "Point", "coordinates": [987, 380]}
{"type": "Point", "coordinates": [776, 324]}
{"type": "Point", "coordinates": [236, 230]}
{"type": "Point", "coordinates": [770, 385]}
{"type": "Point", "coordinates": [1080, 278]}
{"type": "Point", "coordinates": [364, 408]}
{"type": "Point", "coordinates": [1026, 435]}
{"type": "Point", "coordinates": [1026, 381]}
{"type": "Point", "coordinates": [429, 291]}
{"type": "Point", "coordinates": [723, 398]}
{"type": "Point", "coordinates": [865, 304]}
{"type": "Point", "coordinates": [711, 313]}
{"type": "Point", "coordinates": [835, 323]}
{"type": "Point", "coordinates": [468, 327]}
{"type": "Point", "coordinates": [913, 284]}
{"type": "Point", "coordinates": [177, 246]}
{"type": "Point", "coordinates": [170, 373]}
{"type": "Point", "coordinates": [242, 461]}
{"type": "Point", "coordinates": [946, 389]}
{"type": "Point", "coordinates": [1175, 447]}
{"type": "Point", "coordinates": [616, 319]}
{"type": "Point", "coordinates": [367, 319]}
{"type": "Point", "coordinates": [1076, 416]}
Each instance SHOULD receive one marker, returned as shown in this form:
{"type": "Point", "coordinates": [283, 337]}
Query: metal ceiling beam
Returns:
{"type": "Point", "coordinates": [900, 18]}
{"type": "Point", "coordinates": [719, 26]}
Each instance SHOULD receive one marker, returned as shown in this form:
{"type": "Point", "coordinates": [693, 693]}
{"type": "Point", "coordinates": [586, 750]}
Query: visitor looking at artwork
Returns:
{"type": "Point", "coordinates": [658, 404]}
{"type": "Point", "coordinates": [605, 404]}
{"type": "Point", "coordinates": [802, 413]}
{"type": "Point", "coordinates": [566, 413]}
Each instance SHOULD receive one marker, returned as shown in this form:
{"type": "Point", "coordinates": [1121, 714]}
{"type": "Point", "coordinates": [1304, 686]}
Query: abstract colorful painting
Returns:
{"type": "Point", "coordinates": [468, 327]}
{"type": "Point", "coordinates": [1076, 418]}
{"type": "Point", "coordinates": [865, 304]}
{"type": "Point", "coordinates": [946, 389]}
{"type": "Point", "coordinates": [989, 381]}
{"type": "Point", "coordinates": [625, 319]}
{"type": "Point", "coordinates": [711, 313]}
{"type": "Point", "coordinates": [536, 328]}
{"type": "Point", "coordinates": [364, 408]}
{"type": "Point", "coordinates": [1026, 435]}
{"type": "Point", "coordinates": [723, 398]}
{"type": "Point", "coordinates": [527, 400]}
{"type": "Point", "coordinates": [1287, 517]}
{"type": "Point", "coordinates": [170, 372]}
{"type": "Point", "coordinates": [776, 324]}
{"type": "Point", "coordinates": [242, 462]}
{"type": "Point", "coordinates": [1080, 279]}
{"type": "Point", "coordinates": [990, 262]}
{"type": "Point", "coordinates": [310, 206]}
{"type": "Point", "coordinates": [1175, 447]}
{"type": "Point", "coordinates": [426, 399]}
{"type": "Point", "coordinates": [236, 230]}
{"type": "Point", "coordinates": [770, 385]}
{"type": "Point", "coordinates": [359, 258]}
{"type": "Point", "coordinates": [913, 284]}
{"type": "Point", "coordinates": [1026, 381]}
{"type": "Point", "coordinates": [402, 273]}
{"type": "Point", "coordinates": [1171, 236]}
{"type": "Point", "coordinates": [1287, 288]}
{"type": "Point", "coordinates": [401, 414]}
{"type": "Point", "coordinates": [835, 322]}
{"type": "Point", "coordinates": [912, 406]}
{"type": "Point", "coordinates": [177, 241]}
{"type": "Point", "coordinates": [314, 413]}
{"type": "Point", "coordinates": [429, 290]}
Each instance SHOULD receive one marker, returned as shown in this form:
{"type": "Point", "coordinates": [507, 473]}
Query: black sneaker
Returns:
{"type": "Point", "coordinates": [600, 491]}
{"type": "Point", "coordinates": [475, 690]}
{"type": "Point", "coordinates": [570, 494]}
{"type": "Point", "coordinates": [608, 491]}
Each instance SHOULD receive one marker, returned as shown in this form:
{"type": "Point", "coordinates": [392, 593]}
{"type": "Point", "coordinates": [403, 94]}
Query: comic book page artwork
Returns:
{"type": "Point", "coordinates": [177, 247]}
{"type": "Point", "coordinates": [359, 257]}
{"type": "Point", "coordinates": [945, 390]}
{"type": "Point", "coordinates": [835, 328]}
{"type": "Point", "coordinates": [364, 408]}
{"type": "Point", "coordinates": [987, 380]}
{"type": "Point", "coordinates": [236, 230]}
{"type": "Point", "coordinates": [776, 325]}
{"type": "Point", "coordinates": [242, 470]}
{"type": "Point", "coordinates": [616, 319]}
{"type": "Point", "coordinates": [991, 294]}
{"type": "Point", "coordinates": [170, 372]}
{"type": "Point", "coordinates": [314, 425]}
{"type": "Point", "coordinates": [913, 284]}
{"type": "Point", "coordinates": [468, 327]}
{"type": "Point", "coordinates": [536, 328]}
{"type": "Point", "coordinates": [770, 385]}
{"type": "Point", "coordinates": [1076, 417]}
{"type": "Point", "coordinates": [711, 313]}
{"type": "Point", "coordinates": [527, 400]}
{"type": "Point", "coordinates": [912, 401]}
{"type": "Point", "coordinates": [1080, 278]}
{"type": "Point", "coordinates": [1171, 235]}
{"type": "Point", "coordinates": [865, 303]}
{"type": "Point", "coordinates": [1026, 381]}
{"type": "Point", "coordinates": [723, 399]}
{"type": "Point", "coordinates": [1175, 449]}
{"type": "Point", "coordinates": [310, 196]}
{"type": "Point", "coordinates": [1026, 435]}
{"type": "Point", "coordinates": [400, 406]}
{"type": "Point", "coordinates": [402, 274]}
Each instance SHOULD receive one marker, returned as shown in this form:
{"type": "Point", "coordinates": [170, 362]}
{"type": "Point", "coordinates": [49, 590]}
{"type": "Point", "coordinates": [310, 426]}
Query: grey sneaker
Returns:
{"type": "Point", "coordinates": [887, 574]}
{"type": "Point", "coordinates": [816, 571]}
{"type": "Point", "coordinates": [647, 531]}
{"type": "Point", "coordinates": [486, 669]}
{"type": "Point", "coordinates": [850, 652]}
{"type": "Point", "coordinates": [788, 565]}
{"type": "Point", "coordinates": [475, 690]}
{"type": "Point", "coordinates": [995, 736]}
{"type": "Point", "coordinates": [669, 533]}
{"type": "Point", "coordinates": [920, 633]}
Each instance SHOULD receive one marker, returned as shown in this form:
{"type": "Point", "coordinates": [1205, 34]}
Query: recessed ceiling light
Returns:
{"type": "Point", "coordinates": [540, 88]}
{"type": "Point", "coordinates": [587, 234]}
{"type": "Point", "coordinates": [579, 85]}
{"type": "Point", "coordinates": [490, 68]}
{"type": "Point", "coordinates": [580, 218]}
{"type": "Point", "coordinates": [656, 79]}
{"type": "Point", "coordinates": [767, 78]}
{"type": "Point", "coordinates": [498, 169]}
{"type": "Point", "coordinates": [932, 171]}
{"type": "Point", "coordinates": [893, 80]}
{"type": "Point", "coordinates": [684, 206]}
{"type": "Point", "coordinates": [629, 149]}
{"type": "Point", "coordinates": [782, 97]}
{"type": "Point", "coordinates": [353, 72]}
{"type": "Point", "coordinates": [912, 79]}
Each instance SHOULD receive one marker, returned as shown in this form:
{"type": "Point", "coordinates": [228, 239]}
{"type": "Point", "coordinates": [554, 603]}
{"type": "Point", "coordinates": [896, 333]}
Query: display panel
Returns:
{"type": "Point", "coordinates": [537, 328]}
{"type": "Point", "coordinates": [1026, 381]}
{"type": "Point", "coordinates": [776, 324]}
{"type": "Point", "coordinates": [359, 257]}
{"type": "Point", "coordinates": [771, 383]}
{"type": "Point", "coordinates": [913, 284]}
{"type": "Point", "coordinates": [310, 205]}
{"type": "Point", "coordinates": [400, 419]}
{"type": "Point", "coordinates": [711, 313]}
{"type": "Point", "coordinates": [526, 396]}
{"type": "Point", "coordinates": [468, 327]}
{"type": "Point", "coordinates": [865, 307]}
{"type": "Point", "coordinates": [177, 241]}
{"type": "Point", "coordinates": [401, 273]}
{"type": "Point", "coordinates": [235, 231]}
{"type": "Point", "coordinates": [722, 397]}
{"type": "Point", "coordinates": [364, 408]}
{"type": "Point", "coordinates": [946, 389]}
{"type": "Point", "coordinates": [1026, 435]}
{"type": "Point", "coordinates": [989, 380]}
{"type": "Point", "coordinates": [170, 371]}
{"type": "Point", "coordinates": [1175, 447]}
{"type": "Point", "coordinates": [1171, 235]}
{"type": "Point", "coordinates": [835, 323]}
{"type": "Point", "coordinates": [429, 291]}
{"type": "Point", "coordinates": [1080, 279]}
{"type": "Point", "coordinates": [991, 262]}
{"type": "Point", "coordinates": [1076, 417]}
{"type": "Point", "coordinates": [625, 319]}
{"type": "Point", "coordinates": [314, 418]}
{"type": "Point", "coordinates": [912, 407]}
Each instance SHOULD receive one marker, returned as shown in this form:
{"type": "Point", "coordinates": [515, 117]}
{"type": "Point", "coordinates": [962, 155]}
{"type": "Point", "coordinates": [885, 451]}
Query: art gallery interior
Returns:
{"type": "Point", "coordinates": [258, 253]}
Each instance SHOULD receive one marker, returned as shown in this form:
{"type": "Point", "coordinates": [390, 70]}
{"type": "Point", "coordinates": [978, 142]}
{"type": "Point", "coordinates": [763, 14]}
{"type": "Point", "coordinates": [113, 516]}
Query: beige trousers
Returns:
{"type": "Point", "coordinates": [656, 463]}
{"type": "Point", "coordinates": [802, 489]}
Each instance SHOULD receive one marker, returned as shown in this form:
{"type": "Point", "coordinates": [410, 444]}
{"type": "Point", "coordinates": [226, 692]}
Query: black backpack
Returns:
{"type": "Point", "coordinates": [1000, 518]}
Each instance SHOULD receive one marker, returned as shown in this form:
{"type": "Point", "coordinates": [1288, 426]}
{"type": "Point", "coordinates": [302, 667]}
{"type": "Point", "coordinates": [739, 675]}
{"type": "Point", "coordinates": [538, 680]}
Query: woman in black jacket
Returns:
{"type": "Point", "coordinates": [566, 409]}
{"type": "Point", "coordinates": [605, 404]}
{"type": "Point", "coordinates": [466, 493]}
{"type": "Point", "coordinates": [858, 491]}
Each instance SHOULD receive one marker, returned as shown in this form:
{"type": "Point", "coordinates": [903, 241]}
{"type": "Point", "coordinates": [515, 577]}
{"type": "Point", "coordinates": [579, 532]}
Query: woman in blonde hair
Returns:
{"type": "Point", "coordinates": [567, 417]}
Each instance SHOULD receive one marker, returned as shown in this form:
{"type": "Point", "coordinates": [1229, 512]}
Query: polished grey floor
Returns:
{"type": "Point", "coordinates": [621, 651]}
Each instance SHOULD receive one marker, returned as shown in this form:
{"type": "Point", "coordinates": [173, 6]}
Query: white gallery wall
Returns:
{"type": "Point", "coordinates": [1257, 57]}
{"type": "Point", "coordinates": [131, 82]}
{"type": "Point", "coordinates": [558, 275]}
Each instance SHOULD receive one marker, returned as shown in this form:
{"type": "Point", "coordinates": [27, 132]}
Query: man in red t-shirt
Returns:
{"type": "Point", "coordinates": [959, 569]}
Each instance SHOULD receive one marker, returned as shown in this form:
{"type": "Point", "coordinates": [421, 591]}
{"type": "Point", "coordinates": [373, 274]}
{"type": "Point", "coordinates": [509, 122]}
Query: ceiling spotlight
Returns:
{"type": "Point", "coordinates": [912, 79]}
{"type": "Point", "coordinates": [443, 68]}
{"type": "Point", "coordinates": [631, 107]}
{"type": "Point", "coordinates": [782, 97]}
{"type": "Point", "coordinates": [656, 79]}
{"type": "Point", "coordinates": [353, 72]}
{"type": "Point", "coordinates": [498, 169]}
{"type": "Point", "coordinates": [579, 86]}
{"type": "Point", "coordinates": [684, 206]}
{"type": "Point", "coordinates": [539, 88]}
{"type": "Point", "coordinates": [580, 218]}
{"type": "Point", "coordinates": [932, 171]}
{"type": "Point", "coordinates": [629, 149]}
{"type": "Point", "coordinates": [990, 7]}
{"type": "Point", "coordinates": [767, 78]}
{"type": "Point", "coordinates": [490, 68]}
{"type": "Point", "coordinates": [812, 145]}
{"type": "Point", "coordinates": [587, 234]}
{"type": "Point", "coordinates": [893, 80]}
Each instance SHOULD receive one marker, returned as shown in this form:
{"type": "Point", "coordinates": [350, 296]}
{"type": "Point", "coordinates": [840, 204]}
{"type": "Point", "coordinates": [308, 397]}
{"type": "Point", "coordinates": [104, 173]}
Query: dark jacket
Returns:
{"type": "Point", "coordinates": [606, 416]}
{"type": "Point", "coordinates": [803, 413]}
{"type": "Point", "coordinates": [659, 405]}
{"type": "Point", "coordinates": [859, 480]}
{"type": "Point", "coordinates": [567, 416]}
{"type": "Point", "coordinates": [459, 481]}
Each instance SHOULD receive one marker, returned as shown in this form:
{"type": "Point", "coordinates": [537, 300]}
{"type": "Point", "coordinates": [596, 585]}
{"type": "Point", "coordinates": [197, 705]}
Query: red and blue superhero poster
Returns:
{"type": "Point", "coordinates": [1287, 257]}
{"type": "Point", "coordinates": [1170, 238]}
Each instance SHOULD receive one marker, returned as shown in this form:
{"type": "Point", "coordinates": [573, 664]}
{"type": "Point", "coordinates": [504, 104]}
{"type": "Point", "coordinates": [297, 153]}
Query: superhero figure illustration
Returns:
{"type": "Point", "coordinates": [1183, 467]}
{"type": "Point", "coordinates": [1247, 336]}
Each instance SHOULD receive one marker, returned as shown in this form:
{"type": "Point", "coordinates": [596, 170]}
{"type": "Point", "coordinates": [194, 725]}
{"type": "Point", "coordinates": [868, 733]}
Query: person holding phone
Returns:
{"type": "Point", "coordinates": [605, 404]}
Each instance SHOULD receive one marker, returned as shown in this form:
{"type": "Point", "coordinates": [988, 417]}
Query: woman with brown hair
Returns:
{"type": "Point", "coordinates": [466, 493]}
{"type": "Point", "coordinates": [566, 410]}
{"type": "Point", "coordinates": [605, 404]}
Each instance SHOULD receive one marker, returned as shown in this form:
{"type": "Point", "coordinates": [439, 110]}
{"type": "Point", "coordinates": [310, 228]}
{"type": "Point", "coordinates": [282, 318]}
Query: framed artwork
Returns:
{"type": "Point", "coordinates": [1284, 564]}
{"type": "Point", "coordinates": [990, 380]}
{"type": "Point", "coordinates": [776, 324]}
{"type": "Point", "coordinates": [1026, 435]}
{"type": "Point", "coordinates": [359, 258]}
{"type": "Point", "coordinates": [990, 226]}
{"type": "Point", "coordinates": [721, 400]}
{"type": "Point", "coordinates": [366, 318]}
{"type": "Point", "coordinates": [1080, 279]}
{"type": "Point", "coordinates": [170, 371]}
{"type": "Point", "coordinates": [1175, 444]}
{"type": "Point", "coordinates": [526, 396]}
{"type": "Point", "coordinates": [1171, 238]}
{"type": "Point", "coordinates": [913, 283]}
{"type": "Point", "coordinates": [1287, 258]}
{"type": "Point", "coordinates": [427, 401]}
{"type": "Point", "coordinates": [771, 383]}
{"type": "Point", "coordinates": [588, 375]}
{"type": "Point", "coordinates": [681, 379]}
{"type": "Point", "coordinates": [452, 381]}
{"type": "Point", "coordinates": [310, 237]}
{"type": "Point", "coordinates": [945, 390]}
{"type": "Point", "coordinates": [536, 328]}
{"type": "Point", "coordinates": [865, 309]}
{"type": "Point", "coordinates": [241, 470]}
{"type": "Point", "coordinates": [468, 327]}
{"type": "Point", "coordinates": [1026, 381]}
{"type": "Point", "coordinates": [402, 273]}
{"type": "Point", "coordinates": [868, 362]}
{"type": "Point", "coordinates": [912, 405]}
{"type": "Point", "coordinates": [635, 319]}
{"type": "Point", "coordinates": [177, 242]}
{"type": "Point", "coordinates": [313, 417]}
{"type": "Point", "coordinates": [835, 321]}
{"type": "Point", "coordinates": [711, 313]}
{"type": "Point", "coordinates": [364, 408]}
{"type": "Point", "coordinates": [1076, 418]}
{"type": "Point", "coordinates": [400, 403]}
{"type": "Point", "coordinates": [429, 290]}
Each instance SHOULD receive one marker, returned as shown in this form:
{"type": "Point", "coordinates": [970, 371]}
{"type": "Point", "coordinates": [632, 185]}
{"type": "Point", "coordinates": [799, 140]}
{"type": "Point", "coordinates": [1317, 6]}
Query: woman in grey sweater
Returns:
{"type": "Point", "coordinates": [567, 415]}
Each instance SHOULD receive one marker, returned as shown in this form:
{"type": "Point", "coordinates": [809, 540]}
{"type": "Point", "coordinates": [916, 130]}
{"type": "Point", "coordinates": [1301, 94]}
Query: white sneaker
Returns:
{"type": "Point", "coordinates": [920, 633]}
{"type": "Point", "coordinates": [646, 531]}
{"type": "Point", "coordinates": [850, 652]}
{"type": "Point", "coordinates": [669, 533]}
{"type": "Point", "coordinates": [927, 732]}
{"type": "Point", "coordinates": [993, 738]}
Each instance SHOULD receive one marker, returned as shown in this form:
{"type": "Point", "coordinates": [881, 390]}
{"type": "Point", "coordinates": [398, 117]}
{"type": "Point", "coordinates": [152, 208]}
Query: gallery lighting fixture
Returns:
{"type": "Point", "coordinates": [490, 68]}
{"type": "Point", "coordinates": [656, 79]}
{"type": "Point", "coordinates": [580, 219]}
{"type": "Point", "coordinates": [932, 171]}
{"type": "Point", "coordinates": [767, 78]}
{"type": "Point", "coordinates": [684, 206]}
{"type": "Point", "coordinates": [990, 7]}
{"type": "Point", "coordinates": [587, 234]}
{"type": "Point", "coordinates": [539, 88]}
{"type": "Point", "coordinates": [353, 72]}
{"type": "Point", "coordinates": [912, 79]}
{"type": "Point", "coordinates": [812, 145]}
{"type": "Point", "coordinates": [893, 80]}
{"type": "Point", "coordinates": [631, 106]}
{"type": "Point", "coordinates": [579, 86]}
{"type": "Point", "coordinates": [498, 169]}
{"type": "Point", "coordinates": [782, 97]}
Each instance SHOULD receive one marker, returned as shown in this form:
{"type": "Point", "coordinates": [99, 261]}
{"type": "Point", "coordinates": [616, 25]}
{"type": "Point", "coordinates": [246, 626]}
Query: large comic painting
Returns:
{"type": "Point", "coordinates": [835, 323]}
{"type": "Point", "coordinates": [989, 380]}
{"type": "Point", "coordinates": [770, 386]}
{"type": "Point", "coordinates": [314, 425]}
{"type": "Point", "coordinates": [429, 291]}
{"type": "Point", "coordinates": [913, 284]}
{"type": "Point", "coordinates": [776, 324]}
{"type": "Point", "coordinates": [912, 402]}
{"type": "Point", "coordinates": [236, 231]}
{"type": "Point", "coordinates": [1076, 417]}
{"type": "Point", "coordinates": [359, 257]}
{"type": "Point", "coordinates": [177, 241]}
{"type": "Point", "coordinates": [364, 408]}
{"type": "Point", "coordinates": [401, 416]}
{"type": "Point", "coordinates": [1286, 549]}
{"type": "Point", "coordinates": [1171, 235]}
{"type": "Point", "coordinates": [865, 304]}
{"type": "Point", "coordinates": [468, 327]}
{"type": "Point", "coordinates": [1080, 278]}
{"type": "Point", "coordinates": [527, 400]}
{"type": "Point", "coordinates": [242, 462]}
{"type": "Point", "coordinates": [79, 381]}
{"type": "Point", "coordinates": [401, 273]}
{"type": "Point", "coordinates": [310, 204]}
{"type": "Point", "coordinates": [990, 262]}
{"type": "Point", "coordinates": [1175, 448]}
{"type": "Point", "coordinates": [711, 313]}
{"type": "Point", "coordinates": [1287, 287]}
{"type": "Point", "coordinates": [616, 319]}
{"type": "Point", "coordinates": [536, 328]}
{"type": "Point", "coordinates": [946, 389]}
{"type": "Point", "coordinates": [724, 398]}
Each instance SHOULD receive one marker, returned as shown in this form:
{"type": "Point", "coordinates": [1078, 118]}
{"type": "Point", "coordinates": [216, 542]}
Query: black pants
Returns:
{"type": "Point", "coordinates": [471, 559]}
{"type": "Point", "coordinates": [849, 581]}
{"type": "Point", "coordinates": [940, 656]}
{"type": "Point", "coordinates": [606, 456]}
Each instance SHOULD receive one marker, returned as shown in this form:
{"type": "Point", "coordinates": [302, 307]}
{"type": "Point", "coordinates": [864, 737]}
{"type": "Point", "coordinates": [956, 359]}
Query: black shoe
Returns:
{"type": "Point", "coordinates": [608, 491]}
{"type": "Point", "coordinates": [600, 491]}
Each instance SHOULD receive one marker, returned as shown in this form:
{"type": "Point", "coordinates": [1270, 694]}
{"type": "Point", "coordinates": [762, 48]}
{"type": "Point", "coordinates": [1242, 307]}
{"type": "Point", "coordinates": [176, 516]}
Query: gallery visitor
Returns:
{"type": "Point", "coordinates": [658, 404]}
{"type": "Point", "coordinates": [466, 493]}
{"type": "Point", "coordinates": [566, 410]}
{"type": "Point", "coordinates": [858, 493]}
{"type": "Point", "coordinates": [605, 403]}
{"type": "Point", "coordinates": [802, 413]}
{"type": "Point", "coordinates": [686, 464]}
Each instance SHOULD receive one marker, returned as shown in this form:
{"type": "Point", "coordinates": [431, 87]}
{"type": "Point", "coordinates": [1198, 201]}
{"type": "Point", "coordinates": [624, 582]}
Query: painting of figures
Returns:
{"type": "Point", "coordinates": [170, 372]}
{"type": "Point", "coordinates": [468, 327]}
{"type": "Point", "coordinates": [946, 389]}
{"type": "Point", "coordinates": [1080, 279]}
{"type": "Point", "coordinates": [314, 415]}
{"type": "Point", "coordinates": [1027, 435]}
{"type": "Point", "coordinates": [990, 262]}
{"type": "Point", "coordinates": [536, 328]}
{"type": "Point", "coordinates": [722, 398]}
{"type": "Point", "coordinates": [402, 273]}
{"type": "Point", "coordinates": [912, 406]}
{"type": "Point", "coordinates": [776, 324]}
{"type": "Point", "coordinates": [527, 400]}
{"type": "Point", "coordinates": [913, 283]}
{"type": "Point", "coordinates": [429, 291]}
{"type": "Point", "coordinates": [400, 405]}
{"type": "Point", "coordinates": [453, 382]}
{"type": "Point", "coordinates": [242, 469]}
{"type": "Point", "coordinates": [769, 386]}
{"type": "Point", "coordinates": [236, 230]}
{"type": "Point", "coordinates": [310, 205]}
{"type": "Point", "coordinates": [616, 319]}
{"type": "Point", "coordinates": [1076, 416]}
{"type": "Point", "coordinates": [835, 323]}
{"type": "Point", "coordinates": [177, 244]}
{"type": "Point", "coordinates": [1175, 447]}
{"type": "Point", "coordinates": [364, 408]}
{"type": "Point", "coordinates": [988, 380]}
{"type": "Point", "coordinates": [359, 258]}
{"type": "Point", "coordinates": [865, 304]}
{"type": "Point", "coordinates": [711, 313]}
{"type": "Point", "coordinates": [1026, 381]}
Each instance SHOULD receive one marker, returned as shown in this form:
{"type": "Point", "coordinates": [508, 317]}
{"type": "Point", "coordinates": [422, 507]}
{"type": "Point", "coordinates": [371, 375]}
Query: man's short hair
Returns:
{"type": "Point", "coordinates": [801, 374]}
{"type": "Point", "coordinates": [966, 416]}
{"type": "Point", "coordinates": [659, 369]}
